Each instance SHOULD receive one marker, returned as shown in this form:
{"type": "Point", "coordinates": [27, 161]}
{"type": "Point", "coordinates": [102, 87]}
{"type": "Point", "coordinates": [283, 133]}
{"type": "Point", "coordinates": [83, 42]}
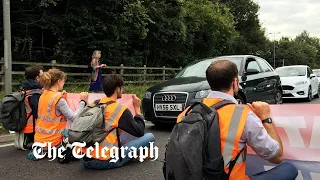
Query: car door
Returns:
{"type": "Point", "coordinates": [271, 80]}
{"type": "Point", "coordinates": [252, 83]}
{"type": "Point", "coordinates": [312, 80]}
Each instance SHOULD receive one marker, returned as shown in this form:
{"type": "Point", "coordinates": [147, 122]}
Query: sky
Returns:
{"type": "Point", "coordinates": [289, 17]}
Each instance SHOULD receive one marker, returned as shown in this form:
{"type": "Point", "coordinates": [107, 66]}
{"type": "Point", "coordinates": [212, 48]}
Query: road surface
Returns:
{"type": "Point", "coordinates": [15, 165]}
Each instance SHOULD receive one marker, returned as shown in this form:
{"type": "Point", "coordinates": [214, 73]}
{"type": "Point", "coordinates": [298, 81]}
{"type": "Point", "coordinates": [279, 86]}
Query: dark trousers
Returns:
{"type": "Point", "coordinates": [284, 171]}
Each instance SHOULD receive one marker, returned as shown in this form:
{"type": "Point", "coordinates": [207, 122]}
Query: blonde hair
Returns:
{"type": "Point", "coordinates": [49, 78]}
{"type": "Point", "coordinates": [94, 54]}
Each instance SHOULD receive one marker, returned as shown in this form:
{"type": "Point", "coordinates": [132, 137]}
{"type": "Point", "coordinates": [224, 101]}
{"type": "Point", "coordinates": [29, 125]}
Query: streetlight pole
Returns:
{"type": "Point", "coordinates": [7, 46]}
{"type": "Point", "coordinates": [274, 49]}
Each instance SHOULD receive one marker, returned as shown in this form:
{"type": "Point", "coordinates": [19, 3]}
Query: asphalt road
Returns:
{"type": "Point", "coordinates": [15, 165]}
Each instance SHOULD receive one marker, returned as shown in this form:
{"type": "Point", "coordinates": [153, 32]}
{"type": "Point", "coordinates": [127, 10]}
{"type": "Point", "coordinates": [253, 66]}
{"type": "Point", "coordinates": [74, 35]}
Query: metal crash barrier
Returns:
{"type": "Point", "coordinates": [298, 126]}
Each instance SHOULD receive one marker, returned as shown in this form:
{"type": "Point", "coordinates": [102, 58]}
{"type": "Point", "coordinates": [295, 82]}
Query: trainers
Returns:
{"type": "Point", "coordinates": [138, 158]}
{"type": "Point", "coordinates": [31, 156]}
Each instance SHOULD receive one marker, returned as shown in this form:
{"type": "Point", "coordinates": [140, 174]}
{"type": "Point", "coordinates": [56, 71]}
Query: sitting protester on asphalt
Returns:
{"type": "Point", "coordinates": [118, 118]}
{"type": "Point", "coordinates": [239, 127]}
{"type": "Point", "coordinates": [54, 111]}
{"type": "Point", "coordinates": [32, 75]}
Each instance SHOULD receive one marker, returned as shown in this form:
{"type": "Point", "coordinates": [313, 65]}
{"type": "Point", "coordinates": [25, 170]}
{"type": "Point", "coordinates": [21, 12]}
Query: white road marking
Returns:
{"type": "Point", "coordinates": [6, 145]}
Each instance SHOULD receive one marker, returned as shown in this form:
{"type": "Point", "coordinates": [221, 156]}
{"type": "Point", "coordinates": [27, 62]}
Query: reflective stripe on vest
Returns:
{"type": "Point", "coordinates": [49, 126]}
{"type": "Point", "coordinates": [113, 116]}
{"type": "Point", "coordinates": [110, 145]}
{"type": "Point", "coordinates": [231, 136]}
{"type": "Point", "coordinates": [52, 120]}
{"type": "Point", "coordinates": [45, 131]}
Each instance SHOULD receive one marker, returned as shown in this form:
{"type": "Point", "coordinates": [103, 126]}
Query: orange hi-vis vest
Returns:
{"type": "Point", "coordinates": [113, 114]}
{"type": "Point", "coordinates": [232, 119]}
{"type": "Point", "coordinates": [49, 126]}
{"type": "Point", "coordinates": [29, 127]}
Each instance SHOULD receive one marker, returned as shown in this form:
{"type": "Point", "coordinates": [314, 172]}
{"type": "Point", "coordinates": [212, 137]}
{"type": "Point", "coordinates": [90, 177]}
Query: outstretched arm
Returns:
{"type": "Point", "coordinates": [63, 108]}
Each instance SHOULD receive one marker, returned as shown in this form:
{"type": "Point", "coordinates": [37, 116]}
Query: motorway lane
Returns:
{"type": "Point", "coordinates": [15, 165]}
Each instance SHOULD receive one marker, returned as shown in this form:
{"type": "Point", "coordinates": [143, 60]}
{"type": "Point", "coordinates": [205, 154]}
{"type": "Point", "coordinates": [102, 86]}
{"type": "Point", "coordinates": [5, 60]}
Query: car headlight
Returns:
{"type": "Point", "coordinates": [147, 95]}
{"type": "Point", "coordinates": [202, 94]}
{"type": "Point", "coordinates": [301, 83]}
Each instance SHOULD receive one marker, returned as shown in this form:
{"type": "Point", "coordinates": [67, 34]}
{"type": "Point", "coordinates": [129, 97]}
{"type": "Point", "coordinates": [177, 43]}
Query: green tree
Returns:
{"type": "Point", "coordinates": [209, 28]}
{"type": "Point", "coordinates": [252, 39]}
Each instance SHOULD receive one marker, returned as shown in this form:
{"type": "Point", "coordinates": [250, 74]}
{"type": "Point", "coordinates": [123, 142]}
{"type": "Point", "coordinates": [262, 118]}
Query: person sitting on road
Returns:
{"type": "Point", "coordinates": [253, 126]}
{"type": "Point", "coordinates": [54, 111]}
{"type": "Point", "coordinates": [131, 129]}
{"type": "Point", "coordinates": [32, 75]}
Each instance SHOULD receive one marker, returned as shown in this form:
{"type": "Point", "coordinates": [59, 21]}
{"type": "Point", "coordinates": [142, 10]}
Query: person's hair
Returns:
{"type": "Point", "coordinates": [32, 71]}
{"type": "Point", "coordinates": [49, 78]}
{"type": "Point", "coordinates": [110, 83]}
{"type": "Point", "coordinates": [220, 75]}
{"type": "Point", "coordinates": [94, 54]}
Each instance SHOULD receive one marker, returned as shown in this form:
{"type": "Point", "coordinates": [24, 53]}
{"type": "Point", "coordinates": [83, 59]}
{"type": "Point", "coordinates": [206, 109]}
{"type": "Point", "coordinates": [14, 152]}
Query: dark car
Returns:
{"type": "Point", "coordinates": [258, 81]}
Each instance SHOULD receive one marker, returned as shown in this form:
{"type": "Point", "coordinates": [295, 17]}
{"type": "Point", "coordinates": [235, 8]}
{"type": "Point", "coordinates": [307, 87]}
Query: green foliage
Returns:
{"type": "Point", "coordinates": [209, 27]}
{"type": "Point", "coordinates": [303, 50]}
{"type": "Point", "coordinates": [251, 39]}
{"type": "Point", "coordinates": [167, 33]}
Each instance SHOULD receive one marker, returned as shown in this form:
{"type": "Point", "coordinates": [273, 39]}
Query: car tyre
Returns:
{"type": "Point", "coordinates": [278, 97]}
{"type": "Point", "coordinates": [240, 99]}
{"type": "Point", "coordinates": [317, 95]}
{"type": "Point", "coordinates": [310, 96]}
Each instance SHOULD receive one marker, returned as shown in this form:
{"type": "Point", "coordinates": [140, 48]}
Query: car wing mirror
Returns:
{"type": "Point", "coordinates": [251, 71]}
{"type": "Point", "coordinates": [244, 77]}
{"type": "Point", "coordinates": [312, 76]}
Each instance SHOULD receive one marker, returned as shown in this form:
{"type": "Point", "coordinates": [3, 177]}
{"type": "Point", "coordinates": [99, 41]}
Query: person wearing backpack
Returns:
{"type": "Point", "coordinates": [119, 122]}
{"type": "Point", "coordinates": [32, 75]}
{"type": "Point", "coordinates": [54, 112]}
{"type": "Point", "coordinates": [223, 154]}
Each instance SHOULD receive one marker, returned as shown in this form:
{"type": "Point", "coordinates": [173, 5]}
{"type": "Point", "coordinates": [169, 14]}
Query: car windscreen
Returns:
{"type": "Point", "coordinates": [199, 69]}
{"type": "Point", "coordinates": [291, 71]}
{"type": "Point", "coordinates": [317, 72]}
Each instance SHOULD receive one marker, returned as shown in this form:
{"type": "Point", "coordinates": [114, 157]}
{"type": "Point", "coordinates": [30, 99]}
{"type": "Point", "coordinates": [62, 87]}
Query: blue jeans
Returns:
{"type": "Point", "coordinates": [136, 142]}
{"type": "Point", "coordinates": [284, 171]}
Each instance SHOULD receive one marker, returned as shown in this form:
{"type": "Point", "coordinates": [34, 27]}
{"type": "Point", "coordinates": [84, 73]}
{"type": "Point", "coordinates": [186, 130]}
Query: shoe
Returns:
{"type": "Point", "coordinates": [32, 157]}
{"type": "Point", "coordinates": [138, 158]}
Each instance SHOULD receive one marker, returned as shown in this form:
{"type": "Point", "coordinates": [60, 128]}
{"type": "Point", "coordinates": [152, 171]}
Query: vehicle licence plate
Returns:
{"type": "Point", "coordinates": [286, 92]}
{"type": "Point", "coordinates": [168, 107]}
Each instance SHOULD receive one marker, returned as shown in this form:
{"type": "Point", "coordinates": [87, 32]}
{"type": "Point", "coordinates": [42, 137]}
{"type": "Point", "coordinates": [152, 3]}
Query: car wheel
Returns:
{"type": "Point", "coordinates": [240, 99]}
{"type": "Point", "coordinates": [309, 98]}
{"type": "Point", "coordinates": [317, 95]}
{"type": "Point", "coordinates": [278, 99]}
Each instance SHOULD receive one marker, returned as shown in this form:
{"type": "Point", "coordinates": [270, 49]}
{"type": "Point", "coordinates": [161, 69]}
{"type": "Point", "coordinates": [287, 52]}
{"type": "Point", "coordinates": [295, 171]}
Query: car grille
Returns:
{"type": "Point", "coordinates": [287, 87]}
{"type": "Point", "coordinates": [181, 98]}
{"type": "Point", "coordinates": [287, 95]}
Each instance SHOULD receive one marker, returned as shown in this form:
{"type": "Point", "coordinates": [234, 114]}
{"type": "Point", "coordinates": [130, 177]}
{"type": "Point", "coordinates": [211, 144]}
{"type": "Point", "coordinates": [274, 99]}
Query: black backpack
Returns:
{"type": "Point", "coordinates": [193, 151]}
{"type": "Point", "coordinates": [13, 115]}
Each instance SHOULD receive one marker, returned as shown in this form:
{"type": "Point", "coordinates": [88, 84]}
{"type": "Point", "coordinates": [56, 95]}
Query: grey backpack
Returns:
{"type": "Point", "coordinates": [13, 114]}
{"type": "Point", "coordinates": [193, 151]}
{"type": "Point", "coordinates": [89, 125]}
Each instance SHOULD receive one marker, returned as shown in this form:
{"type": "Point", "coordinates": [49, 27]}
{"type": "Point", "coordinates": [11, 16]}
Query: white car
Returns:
{"type": "Point", "coordinates": [317, 72]}
{"type": "Point", "coordinates": [298, 82]}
